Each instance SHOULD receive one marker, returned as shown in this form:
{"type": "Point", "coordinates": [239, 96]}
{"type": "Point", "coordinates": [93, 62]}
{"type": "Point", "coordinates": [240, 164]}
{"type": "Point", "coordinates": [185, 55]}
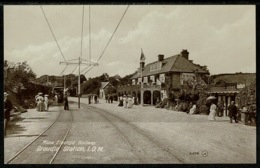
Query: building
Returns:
{"type": "Point", "coordinates": [156, 76]}
{"type": "Point", "coordinates": [225, 87]}
{"type": "Point", "coordinates": [102, 90]}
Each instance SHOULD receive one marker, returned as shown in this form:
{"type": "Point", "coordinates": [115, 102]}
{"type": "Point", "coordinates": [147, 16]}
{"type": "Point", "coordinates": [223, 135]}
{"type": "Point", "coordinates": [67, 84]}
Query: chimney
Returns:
{"type": "Point", "coordinates": [160, 57]}
{"type": "Point", "coordinates": [185, 54]}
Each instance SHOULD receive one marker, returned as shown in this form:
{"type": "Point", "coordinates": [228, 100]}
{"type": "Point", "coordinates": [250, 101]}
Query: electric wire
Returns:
{"type": "Point", "coordinates": [52, 33]}
{"type": "Point", "coordinates": [113, 33]}
{"type": "Point", "coordinates": [110, 38]}
{"type": "Point", "coordinates": [82, 31]}
{"type": "Point", "coordinates": [89, 35]}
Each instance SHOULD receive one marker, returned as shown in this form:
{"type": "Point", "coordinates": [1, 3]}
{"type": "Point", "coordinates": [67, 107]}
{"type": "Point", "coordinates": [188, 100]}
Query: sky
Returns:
{"type": "Point", "coordinates": [222, 37]}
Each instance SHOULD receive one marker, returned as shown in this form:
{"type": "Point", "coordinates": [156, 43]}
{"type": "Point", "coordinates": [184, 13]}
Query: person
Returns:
{"type": "Point", "coordinates": [125, 101]}
{"type": "Point", "coordinates": [95, 98]}
{"type": "Point", "coordinates": [106, 97]}
{"type": "Point", "coordinates": [56, 99]}
{"type": "Point", "coordinates": [193, 109]}
{"type": "Point", "coordinates": [111, 98]}
{"type": "Point", "coordinates": [40, 104]}
{"type": "Point", "coordinates": [130, 102]}
{"type": "Point", "coordinates": [89, 99]}
{"type": "Point", "coordinates": [66, 102]}
{"type": "Point", "coordinates": [220, 109]}
{"type": "Point", "coordinates": [232, 108]}
{"type": "Point", "coordinates": [212, 111]}
{"type": "Point", "coordinates": [121, 101]}
{"type": "Point", "coordinates": [46, 102]}
{"type": "Point", "coordinates": [8, 106]}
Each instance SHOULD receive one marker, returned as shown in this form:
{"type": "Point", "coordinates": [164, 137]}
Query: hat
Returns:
{"type": "Point", "coordinates": [40, 93]}
{"type": "Point", "coordinates": [6, 94]}
{"type": "Point", "coordinates": [46, 95]}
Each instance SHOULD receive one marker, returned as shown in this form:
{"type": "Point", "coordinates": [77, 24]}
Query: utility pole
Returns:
{"type": "Point", "coordinates": [81, 62]}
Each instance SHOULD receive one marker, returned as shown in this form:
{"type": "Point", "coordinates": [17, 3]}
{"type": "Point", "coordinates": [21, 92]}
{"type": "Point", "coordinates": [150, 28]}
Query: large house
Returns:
{"type": "Point", "coordinates": [177, 68]}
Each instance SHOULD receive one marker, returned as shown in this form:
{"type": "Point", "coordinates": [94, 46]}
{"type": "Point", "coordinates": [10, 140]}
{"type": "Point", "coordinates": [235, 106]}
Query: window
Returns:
{"type": "Point", "coordinates": [162, 78]}
{"type": "Point", "coordinates": [155, 66]}
{"type": "Point", "coordinates": [145, 80]}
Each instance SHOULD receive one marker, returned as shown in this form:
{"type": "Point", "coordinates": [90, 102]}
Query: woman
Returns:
{"type": "Point", "coordinates": [46, 102]}
{"type": "Point", "coordinates": [121, 101]}
{"type": "Point", "coordinates": [125, 101]}
{"type": "Point", "coordinates": [130, 102]}
{"type": "Point", "coordinates": [40, 104]}
{"type": "Point", "coordinates": [193, 109]}
{"type": "Point", "coordinates": [212, 113]}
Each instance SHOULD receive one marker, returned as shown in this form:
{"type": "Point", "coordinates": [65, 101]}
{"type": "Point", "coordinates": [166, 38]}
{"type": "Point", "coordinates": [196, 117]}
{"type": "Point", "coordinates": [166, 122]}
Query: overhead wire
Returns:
{"type": "Point", "coordinates": [110, 37]}
{"type": "Point", "coordinates": [74, 69]}
{"type": "Point", "coordinates": [53, 33]}
{"type": "Point", "coordinates": [82, 31]}
{"type": "Point", "coordinates": [63, 70]}
{"type": "Point", "coordinates": [113, 33]}
{"type": "Point", "coordinates": [89, 35]}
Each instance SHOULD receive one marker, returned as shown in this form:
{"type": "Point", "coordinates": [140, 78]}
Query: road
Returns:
{"type": "Point", "coordinates": [106, 133]}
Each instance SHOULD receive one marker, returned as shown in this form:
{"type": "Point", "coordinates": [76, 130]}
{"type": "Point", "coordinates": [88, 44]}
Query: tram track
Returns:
{"type": "Point", "coordinates": [146, 147]}
{"type": "Point", "coordinates": [38, 140]}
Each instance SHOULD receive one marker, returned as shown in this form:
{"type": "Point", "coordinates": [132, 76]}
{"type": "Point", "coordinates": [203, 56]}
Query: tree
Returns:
{"type": "Point", "coordinates": [17, 77]}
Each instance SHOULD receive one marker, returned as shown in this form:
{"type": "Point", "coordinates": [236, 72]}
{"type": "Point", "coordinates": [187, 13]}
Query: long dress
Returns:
{"type": "Point", "coordinates": [192, 110]}
{"type": "Point", "coordinates": [120, 102]}
{"type": "Point", "coordinates": [212, 113]}
{"type": "Point", "coordinates": [46, 103]}
{"type": "Point", "coordinates": [40, 104]}
{"type": "Point", "coordinates": [130, 103]}
{"type": "Point", "coordinates": [125, 102]}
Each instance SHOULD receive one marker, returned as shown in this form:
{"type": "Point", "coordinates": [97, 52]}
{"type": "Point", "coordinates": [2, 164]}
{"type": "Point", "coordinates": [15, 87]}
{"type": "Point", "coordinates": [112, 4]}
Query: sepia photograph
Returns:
{"type": "Point", "coordinates": [129, 84]}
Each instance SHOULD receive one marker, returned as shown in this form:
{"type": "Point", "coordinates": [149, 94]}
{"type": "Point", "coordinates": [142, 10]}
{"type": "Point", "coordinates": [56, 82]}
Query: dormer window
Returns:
{"type": "Point", "coordinates": [155, 66]}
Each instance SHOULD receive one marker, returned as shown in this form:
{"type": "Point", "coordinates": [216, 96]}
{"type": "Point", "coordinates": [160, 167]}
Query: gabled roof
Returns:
{"type": "Point", "coordinates": [104, 84]}
{"type": "Point", "coordinates": [174, 63]}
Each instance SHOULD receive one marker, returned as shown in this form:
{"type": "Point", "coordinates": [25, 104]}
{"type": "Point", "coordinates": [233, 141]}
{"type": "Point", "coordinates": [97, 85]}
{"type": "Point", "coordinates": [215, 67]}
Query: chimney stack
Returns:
{"type": "Point", "coordinates": [185, 54]}
{"type": "Point", "coordinates": [160, 57]}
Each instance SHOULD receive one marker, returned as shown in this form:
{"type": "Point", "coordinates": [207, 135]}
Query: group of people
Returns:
{"type": "Point", "coordinates": [109, 98]}
{"type": "Point", "coordinates": [126, 101]}
{"type": "Point", "coordinates": [42, 102]}
{"type": "Point", "coordinates": [90, 97]}
{"type": "Point", "coordinates": [232, 108]}
{"type": "Point", "coordinates": [217, 111]}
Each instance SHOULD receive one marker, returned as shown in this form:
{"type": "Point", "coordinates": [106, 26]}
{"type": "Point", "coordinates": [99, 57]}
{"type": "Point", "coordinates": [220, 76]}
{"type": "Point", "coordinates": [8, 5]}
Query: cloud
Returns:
{"type": "Point", "coordinates": [221, 37]}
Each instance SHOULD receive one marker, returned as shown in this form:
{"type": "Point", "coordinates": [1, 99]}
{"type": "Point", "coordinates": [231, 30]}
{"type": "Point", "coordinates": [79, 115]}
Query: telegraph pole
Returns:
{"type": "Point", "coordinates": [81, 62]}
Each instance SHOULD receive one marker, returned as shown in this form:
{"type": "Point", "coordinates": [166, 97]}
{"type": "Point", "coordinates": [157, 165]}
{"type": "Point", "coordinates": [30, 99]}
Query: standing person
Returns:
{"type": "Point", "coordinates": [66, 102]}
{"type": "Point", "coordinates": [40, 104]}
{"type": "Point", "coordinates": [121, 101]}
{"type": "Point", "coordinates": [212, 113]}
{"type": "Point", "coordinates": [232, 108]}
{"type": "Point", "coordinates": [130, 102]}
{"type": "Point", "coordinates": [106, 97]}
{"type": "Point", "coordinates": [111, 98]}
{"type": "Point", "coordinates": [220, 109]}
{"type": "Point", "coordinates": [125, 101]}
{"type": "Point", "coordinates": [56, 99]}
{"type": "Point", "coordinates": [46, 102]}
{"type": "Point", "coordinates": [89, 99]}
{"type": "Point", "coordinates": [95, 98]}
{"type": "Point", "coordinates": [193, 108]}
{"type": "Point", "coordinates": [8, 106]}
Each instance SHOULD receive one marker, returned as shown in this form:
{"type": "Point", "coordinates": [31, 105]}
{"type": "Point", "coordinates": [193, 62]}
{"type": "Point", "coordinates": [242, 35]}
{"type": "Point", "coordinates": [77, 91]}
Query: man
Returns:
{"type": "Point", "coordinates": [66, 102]}
{"type": "Point", "coordinates": [232, 108]}
{"type": "Point", "coordinates": [8, 106]}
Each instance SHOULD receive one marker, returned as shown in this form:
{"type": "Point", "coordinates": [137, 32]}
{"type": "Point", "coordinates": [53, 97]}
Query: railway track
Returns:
{"type": "Point", "coordinates": [22, 155]}
{"type": "Point", "coordinates": [147, 148]}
